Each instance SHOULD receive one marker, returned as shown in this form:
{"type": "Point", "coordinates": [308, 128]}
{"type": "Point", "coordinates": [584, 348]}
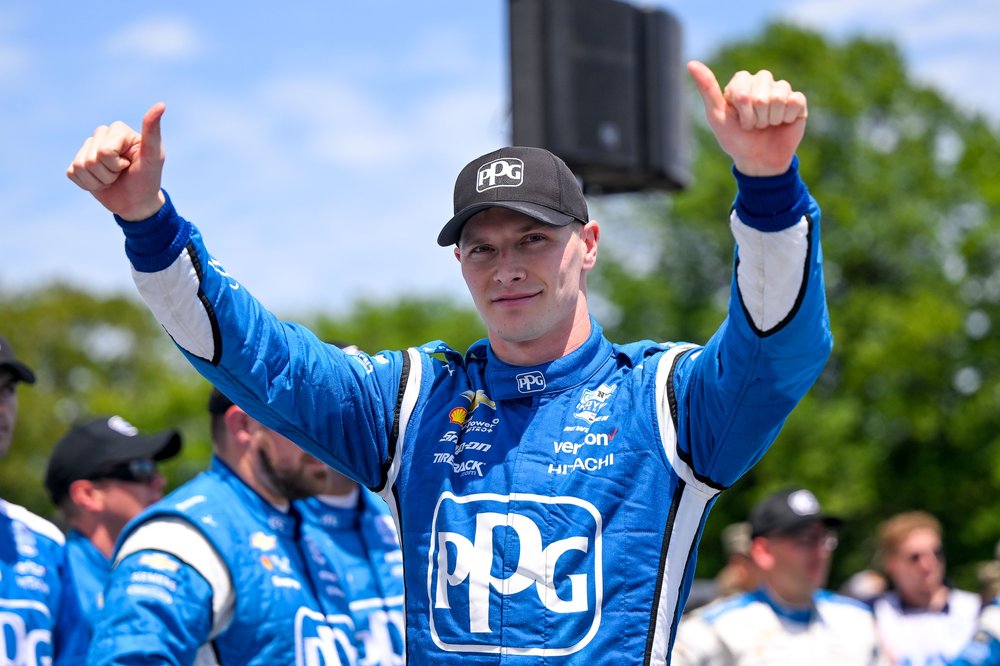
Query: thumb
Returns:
{"type": "Point", "coordinates": [708, 86]}
{"type": "Point", "coordinates": [151, 138]}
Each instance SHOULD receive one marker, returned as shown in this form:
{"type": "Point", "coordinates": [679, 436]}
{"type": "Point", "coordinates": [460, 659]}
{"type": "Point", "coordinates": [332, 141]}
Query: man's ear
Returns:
{"type": "Point", "coordinates": [84, 494]}
{"type": "Point", "coordinates": [238, 425]}
{"type": "Point", "coordinates": [591, 236]}
{"type": "Point", "coordinates": [760, 553]}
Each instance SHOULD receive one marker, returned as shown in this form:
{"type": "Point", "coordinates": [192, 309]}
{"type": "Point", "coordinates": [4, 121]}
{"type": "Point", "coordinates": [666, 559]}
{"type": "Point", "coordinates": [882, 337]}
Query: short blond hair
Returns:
{"type": "Point", "coordinates": [894, 531]}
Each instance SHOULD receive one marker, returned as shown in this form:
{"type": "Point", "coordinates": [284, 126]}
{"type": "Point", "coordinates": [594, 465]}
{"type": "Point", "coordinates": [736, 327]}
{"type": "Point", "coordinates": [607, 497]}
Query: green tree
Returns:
{"type": "Point", "coordinates": [906, 414]}
{"type": "Point", "coordinates": [94, 355]}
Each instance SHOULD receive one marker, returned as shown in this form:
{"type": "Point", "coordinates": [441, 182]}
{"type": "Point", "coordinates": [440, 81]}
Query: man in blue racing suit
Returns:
{"type": "Point", "coordinates": [549, 487]}
{"type": "Point", "coordinates": [355, 531]}
{"type": "Point", "coordinates": [41, 621]}
{"type": "Point", "coordinates": [224, 570]}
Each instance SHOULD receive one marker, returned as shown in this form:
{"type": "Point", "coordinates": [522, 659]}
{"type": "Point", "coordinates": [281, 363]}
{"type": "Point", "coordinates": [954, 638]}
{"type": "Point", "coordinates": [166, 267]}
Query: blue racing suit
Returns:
{"type": "Point", "coordinates": [214, 574]}
{"type": "Point", "coordinates": [984, 648]}
{"type": "Point", "coordinates": [90, 571]}
{"type": "Point", "coordinates": [40, 618]}
{"type": "Point", "coordinates": [547, 514]}
{"type": "Point", "coordinates": [360, 540]}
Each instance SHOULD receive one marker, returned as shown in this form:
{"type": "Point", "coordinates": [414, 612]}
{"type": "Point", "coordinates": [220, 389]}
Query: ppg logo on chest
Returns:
{"type": "Point", "coordinates": [507, 172]}
{"type": "Point", "coordinates": [530, 382]}
{"type": "Point", "coordinates": [507, 570]}
{"type": "Point", "coordinates": [324, 640]}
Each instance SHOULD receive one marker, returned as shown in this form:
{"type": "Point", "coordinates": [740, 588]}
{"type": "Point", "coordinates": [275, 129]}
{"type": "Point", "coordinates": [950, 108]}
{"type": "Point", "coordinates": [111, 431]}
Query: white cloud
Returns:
{"type": "Point", "coordinates": [157, 38]}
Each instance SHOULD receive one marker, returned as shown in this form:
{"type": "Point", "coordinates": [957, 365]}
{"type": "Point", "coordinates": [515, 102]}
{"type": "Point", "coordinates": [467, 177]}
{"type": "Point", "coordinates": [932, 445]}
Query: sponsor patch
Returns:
{"type": "Point", "coordinates": [159, 562]}
{"type": "Point", "coordinates": [538, 558]}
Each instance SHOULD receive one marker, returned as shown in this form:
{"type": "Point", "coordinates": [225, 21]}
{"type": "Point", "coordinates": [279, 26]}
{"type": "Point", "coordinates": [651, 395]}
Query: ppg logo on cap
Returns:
{"type": "Point", "coordinates": [508, 172]}
{"type": "Point", "coordinates": [803, 503]}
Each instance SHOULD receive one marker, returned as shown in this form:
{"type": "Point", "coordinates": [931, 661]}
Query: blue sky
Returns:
{"type": "Point", "coordinates": [316, 143]}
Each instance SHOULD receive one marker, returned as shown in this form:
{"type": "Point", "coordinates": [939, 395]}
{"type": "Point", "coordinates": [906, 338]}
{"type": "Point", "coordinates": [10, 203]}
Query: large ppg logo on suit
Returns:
{"type": "Point", "coordinates": [507, 172]}
{"type": "Point", "coordinates": [324, 640]}
{"type": "Point", "coordinates": [536, 560]}
{"type": "Point", "coordinates": [22, 636]}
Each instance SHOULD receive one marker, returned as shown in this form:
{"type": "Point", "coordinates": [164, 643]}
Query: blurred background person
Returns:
{"type": "Point", "coordinates": [364, 550]}
{"type": "Point", "coordinates": [865, 586]}
{"type": "Point", "coordinates": [224, 570]}
{"type": "Point", "coordinates": [789, 618]}
{"type": "Point", "coordinates": [921, 620]}
{"type": "Point", "coordinates": [41, 618]}
{"type": "Point", "coordinates": [359, 537]}
{"type": "Point", "coordinates": [101, 474]}
{"type": "Point", "coordinates": [740, 574]}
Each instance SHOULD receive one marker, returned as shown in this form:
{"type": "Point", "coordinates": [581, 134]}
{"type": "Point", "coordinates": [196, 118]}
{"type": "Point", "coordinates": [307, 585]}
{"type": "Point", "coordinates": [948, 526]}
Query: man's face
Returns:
{"type": "Point", "coordinates": [8, 409]}
{"type": "Point", "coordinates": [124, 499]}
{"type": "Point", "coordinates": [917, 566]}
{"type": "Point", "coordinates": [527, 279]}
{"type": "Point", "coordinates": [799, 561]}
{"type": "Point", "coordinates": [284, 468]}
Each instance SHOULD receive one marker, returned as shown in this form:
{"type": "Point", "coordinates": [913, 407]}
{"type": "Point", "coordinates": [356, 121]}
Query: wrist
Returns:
{"type": "Point", "coordinates": [771, 203]}
{"type": "Point", "coordinates": [144, 210]}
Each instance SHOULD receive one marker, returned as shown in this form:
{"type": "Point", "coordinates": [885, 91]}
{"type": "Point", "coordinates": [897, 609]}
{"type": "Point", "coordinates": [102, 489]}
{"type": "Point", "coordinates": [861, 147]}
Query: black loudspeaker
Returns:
{"type": "Point", "coordinates": [599, 83]}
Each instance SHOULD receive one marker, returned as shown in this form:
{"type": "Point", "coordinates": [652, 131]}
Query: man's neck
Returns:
{"type": "Point", "coordinates": [552, 346]}
{"type": "Point", "coordinates": [790, 600]}
{"type": "Point", "coordinates": [99, 535]}
{"type": "Point", "coordinates": [935, 600]}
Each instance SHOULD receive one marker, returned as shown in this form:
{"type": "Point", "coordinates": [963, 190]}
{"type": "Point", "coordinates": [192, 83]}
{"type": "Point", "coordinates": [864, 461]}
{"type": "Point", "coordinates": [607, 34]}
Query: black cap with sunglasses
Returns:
{"type": "Point", "coordinates": [788, 511]}
{"type": "Point", "coordinates": [106, 448]}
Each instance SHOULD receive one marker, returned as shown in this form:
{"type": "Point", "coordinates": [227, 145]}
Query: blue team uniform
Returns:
{"type": "Point", "coordinates": [984, 648]}
{"type": "Point", "coordinates": [361, 542]}
{"type": "Point", "coordinates": [40, 618]}
{"type": "Point", "coordinates": [274, 601]}
{"type": "Point", "coordinates": [548, 514]}
{"type": "Point", "coordinates": [90, 571]}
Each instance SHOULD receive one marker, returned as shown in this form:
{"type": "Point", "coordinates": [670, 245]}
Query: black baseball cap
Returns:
{"type": "Point", "coordinates": [529, 180]}
{"type": "Point", "coordinates": [218, 403]}
{"type": "Point", "coordinates": [92, 446]}
{"type": "Point", "coordinates": [787, 511]}
{"type": "Point", "coordinates": [9, 360]}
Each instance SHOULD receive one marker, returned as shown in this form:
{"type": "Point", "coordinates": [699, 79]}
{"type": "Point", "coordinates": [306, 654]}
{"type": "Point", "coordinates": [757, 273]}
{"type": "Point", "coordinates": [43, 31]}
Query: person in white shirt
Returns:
{"type": "Point", "coordinates": [789, 619]}
{"type": "Point", "coordinates": [922, 620]}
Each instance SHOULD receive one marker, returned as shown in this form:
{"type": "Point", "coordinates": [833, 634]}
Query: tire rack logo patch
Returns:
{"type": "Point", "coordinates": [558, 575]}
{"type": "Point", "coordinates": [470, 427]}
{"type": "Point", "coordinates": [507, 172]}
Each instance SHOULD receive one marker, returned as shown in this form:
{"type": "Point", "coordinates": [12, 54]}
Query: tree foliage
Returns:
{"type": "Point", "coordinates": [906, 413]}
{"type": "Point", "coordinates": [93, 356]}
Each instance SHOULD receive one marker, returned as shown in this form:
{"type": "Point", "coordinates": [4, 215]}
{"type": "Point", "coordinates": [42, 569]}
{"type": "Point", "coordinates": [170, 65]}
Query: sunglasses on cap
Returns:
{"type": "Point", "coordinates": [140, 470]}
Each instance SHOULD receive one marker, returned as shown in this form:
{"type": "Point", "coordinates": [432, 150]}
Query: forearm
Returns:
{"type": "Point", "coordinates": [278, 372]}
{"type": "Point", "coordinates": [776, 338]}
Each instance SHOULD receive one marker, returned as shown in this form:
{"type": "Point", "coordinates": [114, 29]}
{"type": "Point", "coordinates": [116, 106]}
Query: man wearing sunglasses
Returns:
{"type": "Point", "coordinates": [922, 620]}
{"type": "Point", "coordinates": [789, 619]}
{"type": "Point", "coordinates": [101, 474]}
{"type": "Point", "coordinates": [39, 614]}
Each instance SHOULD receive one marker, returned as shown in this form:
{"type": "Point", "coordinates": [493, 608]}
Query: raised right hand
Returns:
{"type": "Point", "coordinates": [122, 168]}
